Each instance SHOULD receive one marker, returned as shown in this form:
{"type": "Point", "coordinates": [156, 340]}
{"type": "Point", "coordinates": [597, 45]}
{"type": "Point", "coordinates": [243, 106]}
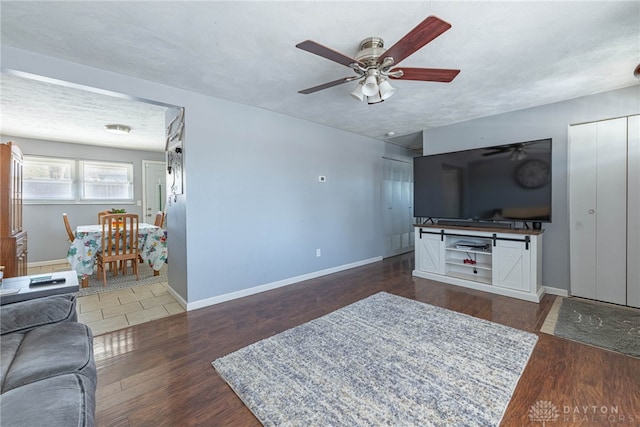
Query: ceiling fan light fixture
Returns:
{"type": "Point", "coordinates": [375, 99]}
{"type": "Point", "coordinates": [386, 90]}
{"type": "Point", "coordinates": [518, 154]}
{"type": "Point", "coordinates": [118, 129]}
{"type": "Point", "coordinates": [370, 87]}
{"type": "Point", "coordinates": [373, 63]}
{"type": "Point", "coordinates": [357, 92]}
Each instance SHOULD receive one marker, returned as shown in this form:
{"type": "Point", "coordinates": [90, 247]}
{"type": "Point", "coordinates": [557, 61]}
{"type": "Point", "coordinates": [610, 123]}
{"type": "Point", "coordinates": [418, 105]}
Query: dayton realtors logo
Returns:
{"type": "Point", "coordinates": [543, 411]}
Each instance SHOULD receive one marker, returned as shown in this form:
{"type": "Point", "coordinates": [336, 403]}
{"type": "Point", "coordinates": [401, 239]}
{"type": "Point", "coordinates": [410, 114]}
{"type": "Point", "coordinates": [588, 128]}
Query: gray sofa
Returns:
{"type": "Point", "coordinates": [47, 369]}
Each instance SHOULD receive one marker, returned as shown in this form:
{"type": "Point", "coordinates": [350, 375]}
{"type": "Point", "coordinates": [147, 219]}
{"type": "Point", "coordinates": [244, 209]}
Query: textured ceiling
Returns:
{"type": "Point", "coordinates": [44, 110]}
{"type": "Point", "coordinates": [512, 55]}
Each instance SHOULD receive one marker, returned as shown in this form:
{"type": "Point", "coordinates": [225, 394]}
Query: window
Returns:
{"type": "Point", "coordinates": [106, 181]}
{"type": "Point", "coordinates": [50, 179]}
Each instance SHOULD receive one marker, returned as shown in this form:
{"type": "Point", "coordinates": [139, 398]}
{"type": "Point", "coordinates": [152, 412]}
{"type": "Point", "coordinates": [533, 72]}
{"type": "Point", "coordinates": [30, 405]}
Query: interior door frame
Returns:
{"type": "Point", "coordinates": [387, 215]}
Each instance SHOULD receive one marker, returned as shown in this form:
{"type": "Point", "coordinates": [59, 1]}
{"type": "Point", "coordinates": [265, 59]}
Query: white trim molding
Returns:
{"type": "Point", "coordinates": [556, 291]}
{"type": "Point", "coordinates": [273, 285]}
{"type": "Point", "coordinates": [177, 297]}
{"type": "Point", "coordinates": [51, 262]}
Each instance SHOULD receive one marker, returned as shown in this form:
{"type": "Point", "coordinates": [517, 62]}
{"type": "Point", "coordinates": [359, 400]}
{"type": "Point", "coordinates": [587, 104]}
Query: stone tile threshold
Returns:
{"type": "Point", "coordinates": [110, 311]}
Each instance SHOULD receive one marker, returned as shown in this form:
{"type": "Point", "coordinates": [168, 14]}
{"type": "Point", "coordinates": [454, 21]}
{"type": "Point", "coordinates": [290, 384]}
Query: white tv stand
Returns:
{"type": "Point", "coordinates": [505, 262]}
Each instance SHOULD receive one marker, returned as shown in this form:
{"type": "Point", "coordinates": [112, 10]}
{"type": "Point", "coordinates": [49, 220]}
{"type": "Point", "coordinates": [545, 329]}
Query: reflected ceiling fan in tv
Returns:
{"type": "Point", "coordinates": [489, 185]}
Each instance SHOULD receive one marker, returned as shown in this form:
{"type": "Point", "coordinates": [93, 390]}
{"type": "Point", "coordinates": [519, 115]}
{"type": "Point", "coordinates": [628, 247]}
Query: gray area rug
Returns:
{"type": "Point", "coordinates": [599, 324]}
{"type": "Point", "coordinates": [114, 283]}
{"type": "Point", "coordinates": [384, 360]}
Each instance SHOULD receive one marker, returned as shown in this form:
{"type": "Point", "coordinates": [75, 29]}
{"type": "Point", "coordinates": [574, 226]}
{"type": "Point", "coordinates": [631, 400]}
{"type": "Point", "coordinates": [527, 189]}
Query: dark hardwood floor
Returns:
{"type": "Point", "coordinates": [160, 373]}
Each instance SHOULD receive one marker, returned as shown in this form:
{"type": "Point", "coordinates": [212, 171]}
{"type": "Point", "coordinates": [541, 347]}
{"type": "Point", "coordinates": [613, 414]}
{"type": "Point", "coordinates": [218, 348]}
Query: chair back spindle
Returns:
{"type": "Point", "coordinates": [101, 214]}
{"type": "Point", "coordinates": [159, 219]}
{"type": "Point", "coordinates": [70, 233]}
{"type": "Point", "coordinates": [119, 243]}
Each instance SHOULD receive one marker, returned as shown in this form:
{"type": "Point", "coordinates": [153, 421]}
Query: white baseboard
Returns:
{"type": "Point", "coordinates": [556, 291]}
{"type": "Point", "coordinates": [273, 285]}
{"type": "Point", "coordinates": [43, 263]}
{"type": "Point", "coordinates": [178, 298]}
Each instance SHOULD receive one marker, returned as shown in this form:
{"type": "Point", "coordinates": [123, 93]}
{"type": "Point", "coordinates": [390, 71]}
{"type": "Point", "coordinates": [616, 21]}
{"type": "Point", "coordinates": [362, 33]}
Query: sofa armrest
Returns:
{"type": "Point", "coordinates": [26, 315]}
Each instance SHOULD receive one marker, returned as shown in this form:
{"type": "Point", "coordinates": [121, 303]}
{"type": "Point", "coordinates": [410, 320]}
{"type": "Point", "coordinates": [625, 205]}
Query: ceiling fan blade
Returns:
{"type": "Point", "coordinates": [427, 74]}
{"type": "Point", "coordinates": [493, 153]}
{"type": "Point", "coordinates": [325, 52]}
{"type": "Point", "coordinates": [327, 85]}
{"type": "Point", "coordinates": [425, 32]}
{"type": "Point", "coordinates": [498, 150]}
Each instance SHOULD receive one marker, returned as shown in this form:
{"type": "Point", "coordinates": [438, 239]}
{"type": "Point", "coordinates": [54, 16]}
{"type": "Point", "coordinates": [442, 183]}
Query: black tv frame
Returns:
{"type": "Point", "coordinates": [485, 221]}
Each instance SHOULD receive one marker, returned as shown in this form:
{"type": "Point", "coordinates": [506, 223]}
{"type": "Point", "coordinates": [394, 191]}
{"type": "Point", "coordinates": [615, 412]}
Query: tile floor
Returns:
{"type": "Point", "coordinates": [110, 311]}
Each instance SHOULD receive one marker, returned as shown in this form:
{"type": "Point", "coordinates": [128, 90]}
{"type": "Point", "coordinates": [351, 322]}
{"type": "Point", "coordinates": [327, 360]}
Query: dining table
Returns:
{"type": "Point", "coordinates": [152, 248]}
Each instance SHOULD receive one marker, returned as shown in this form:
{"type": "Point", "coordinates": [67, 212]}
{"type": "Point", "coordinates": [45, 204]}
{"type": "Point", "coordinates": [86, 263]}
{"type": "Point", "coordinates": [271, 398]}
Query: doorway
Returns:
{"type": "Point", "coordinates": [397, 209]}
{"type": "Point", "coordinates": [154, 189]}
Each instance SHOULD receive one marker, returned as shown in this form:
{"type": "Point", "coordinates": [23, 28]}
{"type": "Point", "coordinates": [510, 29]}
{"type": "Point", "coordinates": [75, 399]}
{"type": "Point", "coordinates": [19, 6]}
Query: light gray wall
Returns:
{"type": "Point", "coordinates": [547, 121]}
{"type": "Point", "coordinates": [43, 222]}
{"type": "Point", "coordinates": [261, 190]}
{"type": "Point", "coordinates": [253, 210]}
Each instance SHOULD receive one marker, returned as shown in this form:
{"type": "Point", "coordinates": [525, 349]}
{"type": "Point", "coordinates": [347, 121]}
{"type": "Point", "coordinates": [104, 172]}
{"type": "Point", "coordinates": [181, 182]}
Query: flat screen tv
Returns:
{"type": "Point", "coordinates": [501, 183]}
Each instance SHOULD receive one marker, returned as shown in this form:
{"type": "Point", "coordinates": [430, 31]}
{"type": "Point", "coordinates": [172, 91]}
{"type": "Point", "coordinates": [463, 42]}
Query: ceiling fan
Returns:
{"type": "Point", "coordinates": [517, 151]}
{"type": "Point", "coordinates": [374, 65]}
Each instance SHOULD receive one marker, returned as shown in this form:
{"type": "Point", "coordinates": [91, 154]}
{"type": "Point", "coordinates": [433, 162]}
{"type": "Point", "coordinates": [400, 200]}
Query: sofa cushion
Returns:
{"type": "Point", "coordinates": [26, 315]}
{"type": "Point", "coordinates": [64, 401]}
{"type": "Point", "coordinates": [9, 345]}
{"type": "Point", "coordinates": [49, 351]}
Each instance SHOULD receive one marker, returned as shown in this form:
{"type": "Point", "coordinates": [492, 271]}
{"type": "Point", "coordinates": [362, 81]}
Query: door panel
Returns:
{"type": "Point", "coordinates": [598, 212]}
{"type": "Point", "coordinates": [511, 265]}
{"type": "Point", "coordinates": [582, 205]}
{"type": "Point", "coordinates": [633, 212]}
{"type": "Point", "coordinates": [611, 213]}
{"type": "Point", "coordinates": [431, 253]}
{"type": "Point", "coordinates": [155, 189]}
{"type": "Point", "coordinates": [397, 188]}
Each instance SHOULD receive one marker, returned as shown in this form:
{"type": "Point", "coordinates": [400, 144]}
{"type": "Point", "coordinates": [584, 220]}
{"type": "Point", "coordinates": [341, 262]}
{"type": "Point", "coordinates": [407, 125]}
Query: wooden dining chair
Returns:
{"type": "Point", "coordinates": [101, 214]}
{"type": "Point", "coordinates": [70, 234]}
{"type": "Point", "coordinates": [119, 244]}
{"type": "Point", "coordinates": [159, 219]}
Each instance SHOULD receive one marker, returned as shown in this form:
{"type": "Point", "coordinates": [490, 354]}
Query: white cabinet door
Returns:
{"type": "Point", "coordinates": [430, 253]}
{"type": "Point", "coordinates": [598, 213]}
{"type": "Point", "coordinates": [512, 265]}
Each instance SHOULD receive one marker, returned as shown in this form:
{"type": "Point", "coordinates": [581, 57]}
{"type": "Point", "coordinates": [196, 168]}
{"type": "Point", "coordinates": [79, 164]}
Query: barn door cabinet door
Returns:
{"type": "Point", "coordinates": [429, 253]}
{"type": "Point", "coordinates": [512, 265]}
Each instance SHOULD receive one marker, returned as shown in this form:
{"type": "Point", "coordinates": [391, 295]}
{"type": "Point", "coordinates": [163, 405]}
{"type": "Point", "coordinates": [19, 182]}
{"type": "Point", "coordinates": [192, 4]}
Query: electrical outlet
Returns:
{"type": "Point", "coordinates": [318, 252]}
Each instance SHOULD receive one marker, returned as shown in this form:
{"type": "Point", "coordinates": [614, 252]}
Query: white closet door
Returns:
{"type": "Point", "coordinates": [598, 205]}
{"type": "Point", "coordinates": [611, 211]}
{"type": "Point", "coordinates": [582, 205]}
{"type": "Point", "coordinates": [633, 211]}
